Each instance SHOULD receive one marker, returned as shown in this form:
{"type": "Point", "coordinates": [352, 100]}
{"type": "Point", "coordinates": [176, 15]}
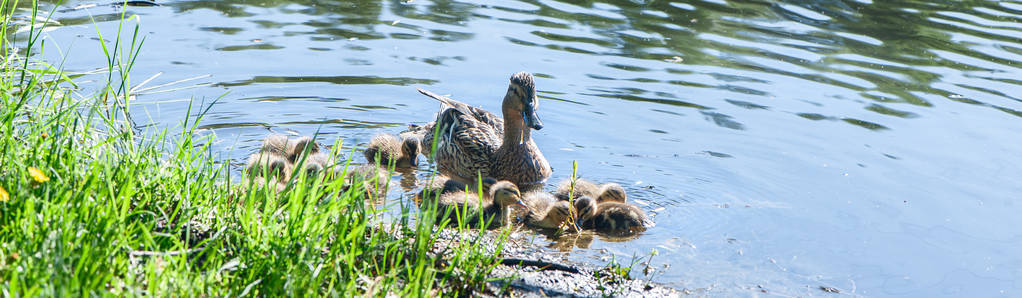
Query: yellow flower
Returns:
{"type": "Point", "coordinates": [37, 175]}
{"type": "Point", "coordinates": [4, 196]}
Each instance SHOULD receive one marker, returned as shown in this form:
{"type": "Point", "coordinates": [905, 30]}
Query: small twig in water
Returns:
{"type": "Point", "coordinates": [537, 263]}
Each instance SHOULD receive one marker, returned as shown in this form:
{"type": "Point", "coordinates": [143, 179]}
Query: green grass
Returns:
{"type": "Point", "coordinates": [124, 211]}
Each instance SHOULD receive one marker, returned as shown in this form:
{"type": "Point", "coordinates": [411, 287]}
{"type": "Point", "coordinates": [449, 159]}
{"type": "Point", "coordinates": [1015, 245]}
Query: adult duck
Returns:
{"type": "Point", "coordinates": [473, 142]}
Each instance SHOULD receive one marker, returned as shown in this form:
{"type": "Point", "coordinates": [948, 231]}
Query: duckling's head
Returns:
{"type": "Point", "coordinates": [410, 149]}
{"type": "Point", "coordinates": [302, 145]}
{"type": "Point", "coordinates": [314, 165]}
{"type": "Point", "coordinates": [505, 194]}
{"type": "Point", "coordinates": [612, 192]}
{"type": "Point", "coordinates": [586, 207]}
{"type": "Point", "coordinates": [488, 183]}
{"type": "Point", "coordinates": [275, 143]}
{"type": "Point", "coordinates": [521, 98]}
{"type": "Point", "coordinates": [559, 215]}
{"type": "Point", "coordinates": [272, 165]}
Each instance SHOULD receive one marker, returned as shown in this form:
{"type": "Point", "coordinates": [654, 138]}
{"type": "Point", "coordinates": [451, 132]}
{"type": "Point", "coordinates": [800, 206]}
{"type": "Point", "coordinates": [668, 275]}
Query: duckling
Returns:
{"type": "Point", "coordinates": [442, 185]}
{"type": "Point", "coordinates": [582, 187]}
{"type": "Point", "coordinates": [543, 212]}
{"type": "Point", "coordinates": [493, 208]}
{"type": "Point", "coordinates": [276, 144]}
{"type": "Point", "coordinates": [611, 192]}
{"type": "Point", "coordinates": [553, 216]}
{"type": "Point", "coordinates": [314, 165]}
{"type": "Point", "coordinates": [275, 168]}
{"type": "Point", "coordinates": [608, 192]}
{"type": "Point", "coordinates": [548, 212]}
{"type": "Point", "coordinates": [617, 218]}
{"type": "Point", "coordinates": [371, 179]}
{"type": "Point", "coordinates": [295, 149]}
{"type": "Point", "coordinates": [386, 149]}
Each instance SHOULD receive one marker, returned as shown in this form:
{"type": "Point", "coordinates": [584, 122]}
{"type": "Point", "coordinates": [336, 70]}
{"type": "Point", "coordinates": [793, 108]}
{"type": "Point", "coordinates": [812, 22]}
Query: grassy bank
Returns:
{"type": "Point", "coordinates": [89, 206]}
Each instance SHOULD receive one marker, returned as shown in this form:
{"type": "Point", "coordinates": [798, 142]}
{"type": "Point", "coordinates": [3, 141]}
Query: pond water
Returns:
{"type": "Point", "coordinates": [872, 147]}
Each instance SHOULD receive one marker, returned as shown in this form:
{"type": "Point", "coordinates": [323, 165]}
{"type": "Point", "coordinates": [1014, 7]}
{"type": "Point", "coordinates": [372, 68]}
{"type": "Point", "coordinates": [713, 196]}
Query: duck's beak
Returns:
{"type": "Point", "coordinates": [520, 203]}
{"type": "Point", "coordinates": [414, 161]}
{"type": "Point", "coordinates": [531, 118]}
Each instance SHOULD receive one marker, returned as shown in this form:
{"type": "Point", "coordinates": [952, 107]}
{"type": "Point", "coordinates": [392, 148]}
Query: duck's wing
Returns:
{"type": "Point", "coordinates": [479, 114]}
{"type": "Point", "coordinates": [466, 145]}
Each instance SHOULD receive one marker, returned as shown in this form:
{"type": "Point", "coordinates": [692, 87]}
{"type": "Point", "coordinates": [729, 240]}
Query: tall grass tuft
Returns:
{"type": "Point", "coordinates": [91, 205]}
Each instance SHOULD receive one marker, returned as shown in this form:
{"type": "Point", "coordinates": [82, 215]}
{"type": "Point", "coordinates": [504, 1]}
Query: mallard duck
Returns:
{"type": "Point", "coordinates": [473, 141]}
{"type": "Point", "coordinates": [493, 208]}
{"type": "Point", "coordinates": [617, 218]}
{"type": "Point", "coordinates": [393, 151]}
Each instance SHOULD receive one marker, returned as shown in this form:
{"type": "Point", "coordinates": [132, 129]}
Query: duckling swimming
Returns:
{"type": "Point", "coordinates": [611, 192]}
{"type": "Point", "coordinates": [548, 212]}
{"type": "Point", "coordinates": [385, 149]}
{"type": "Point", "coordinates": [582, 188]}
{"type": "Point", "coordinates": [492, 210]}
{"type": "Point", "coordinates": [608, 192]}
{"type": "Point", "coordinates": [617, 218]}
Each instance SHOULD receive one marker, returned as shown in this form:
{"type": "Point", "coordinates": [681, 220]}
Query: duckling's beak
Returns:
{"type": "Point", "coordinates": [414, 161]}
{"type": "Point", "coordinates": [531, 118]}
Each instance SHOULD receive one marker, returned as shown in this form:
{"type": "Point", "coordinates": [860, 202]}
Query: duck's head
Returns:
{"type": "Point", "coordinates": [410, 149]}
{"type": "Point", "coordinates": [505, 193]}
{"type": "Point", "coordinates": [521, 98]}
{"type": "Point", "coordinates": [612, 192]}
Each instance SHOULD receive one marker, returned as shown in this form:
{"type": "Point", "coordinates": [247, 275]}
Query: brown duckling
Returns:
{"type": "Point", "coordinates": [266, 167]}
{"type": "Point", "coordinates": [582, 187]}
{"type": "Point", "coordinates": [493, 208]}
{"type": "Point", "coordinates": [611, 192]}
{"type": "Point", "coordinates": [372, 180]}
{"type": "Point", "coordinates": [442, 185]}
{"type": "Point", "coordinates": [608, 192]}
{"type": "Point", "coordinates": [386, 150]}
{"type": "Point", "coordinates": [276, 144]}
{"type": "Point", "coordinates": [544, 211]}
{"type": "Point", "coordinates": [617, 218]}
{"type": "Point", "coordinates": [302, 145]}
{"type": "Point", "coordinates": [548, 212]}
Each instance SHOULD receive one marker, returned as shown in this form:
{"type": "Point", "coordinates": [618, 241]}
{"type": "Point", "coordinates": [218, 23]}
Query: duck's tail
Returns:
{"type": "Point", "coordinates": [447, 101]}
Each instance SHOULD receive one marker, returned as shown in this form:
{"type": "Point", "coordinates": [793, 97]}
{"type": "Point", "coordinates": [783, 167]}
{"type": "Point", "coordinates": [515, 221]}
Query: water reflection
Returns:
{"type": "Point", "coordinates": [868, 146]}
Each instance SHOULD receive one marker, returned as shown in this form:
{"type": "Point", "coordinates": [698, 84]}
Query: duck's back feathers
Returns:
{"type": "Point", "coordinates": [466, 145]}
